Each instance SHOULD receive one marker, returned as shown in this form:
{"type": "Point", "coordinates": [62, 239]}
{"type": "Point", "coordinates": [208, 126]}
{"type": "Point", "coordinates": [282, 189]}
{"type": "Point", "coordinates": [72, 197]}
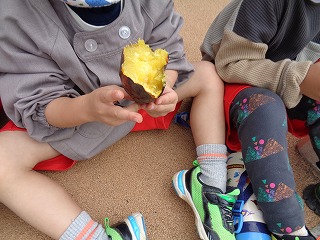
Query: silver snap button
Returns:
{"type": "Point", "coordinates": [91, 45]}
{"type": "Point", "coordinates": [124, 32]}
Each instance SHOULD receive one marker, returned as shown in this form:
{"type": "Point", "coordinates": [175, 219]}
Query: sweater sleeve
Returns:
{"type": "Point", "coordinates": [241, 53]}
{"type": "Point", "coordinates": [241, 61]}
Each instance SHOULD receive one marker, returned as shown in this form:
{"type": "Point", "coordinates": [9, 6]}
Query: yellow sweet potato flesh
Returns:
{"type": "Point", "coordinates": [144, 67]}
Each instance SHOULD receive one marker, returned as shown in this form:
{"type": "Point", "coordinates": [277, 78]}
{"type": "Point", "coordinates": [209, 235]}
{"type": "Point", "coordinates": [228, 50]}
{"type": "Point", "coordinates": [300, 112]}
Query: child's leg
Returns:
{"type": "Point", "coordinates": [207, 114]}
{"type": "Point", "coordinates": [31, 195]}
{"type": "Point", "coordinates": [204, 187]}
{"type": "Point", "coordinates": [207, 122]}
{"type": "Point", "coordinates": [311, 193]}
{"type": "Point", "coordinates": [260, 118]}
{"type": "Point", "coordinates": [308, 112]}
{"type": "Point", "coordinates": [40, 201]}
{"type": "Point", "coordinates": [313, 121]}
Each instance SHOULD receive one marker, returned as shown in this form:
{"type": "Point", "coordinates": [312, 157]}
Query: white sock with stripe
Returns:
{"type": "Point", "coordinates": [83, 227]}
{"type": "Point", "coordinates": [213, 164]}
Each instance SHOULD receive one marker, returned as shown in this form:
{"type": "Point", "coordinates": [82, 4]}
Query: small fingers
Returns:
{"type": "Point", "coordinates": [112, 95]}
{"type": "Point", "coordinates": [168, 97]}
{"type": "Point", "coordinates": [129, 113]}
{"type": "Point", "coordinates": [159, 110]}
{"type": "Point", "coordinates": [164, 109]}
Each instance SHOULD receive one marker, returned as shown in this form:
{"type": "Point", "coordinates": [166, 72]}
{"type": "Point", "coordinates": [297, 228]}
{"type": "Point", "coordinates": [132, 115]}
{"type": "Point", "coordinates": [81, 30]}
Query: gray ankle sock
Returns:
{"type": "Point", "coordinates": [79, 224]}
{"type": "Point", "coordinates": [213, 164]}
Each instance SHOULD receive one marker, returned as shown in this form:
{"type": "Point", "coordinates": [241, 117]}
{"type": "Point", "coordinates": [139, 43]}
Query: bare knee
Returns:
{"type": "Point", "coordinates": [203, 82]}
{"type": "Point", "coordinates": [18, 152]}
{"type": "Point", "coordinates": [207, 77]}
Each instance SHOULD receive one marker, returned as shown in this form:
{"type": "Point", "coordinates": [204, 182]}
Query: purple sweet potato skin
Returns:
{"type": "Point", "coordinates": [136, 91]}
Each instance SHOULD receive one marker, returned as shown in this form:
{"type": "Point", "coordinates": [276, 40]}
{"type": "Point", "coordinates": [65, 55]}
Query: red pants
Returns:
{"type": "Point", "coordinates": [61, 162]}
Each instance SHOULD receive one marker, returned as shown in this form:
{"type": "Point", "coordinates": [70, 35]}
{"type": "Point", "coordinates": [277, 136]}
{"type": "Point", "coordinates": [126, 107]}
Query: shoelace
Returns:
{"type": "Point", "coordinates": [225, 203]}
{"type": "Point", "coordinates": [228, 215]}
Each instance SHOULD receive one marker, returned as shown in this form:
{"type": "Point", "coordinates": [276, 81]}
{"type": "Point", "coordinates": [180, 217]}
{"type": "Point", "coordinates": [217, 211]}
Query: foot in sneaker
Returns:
{"type": "Point", "coordinates": [311, 195]}
{"type": "Point", "coordinates": [132, 228]}
{"type": "Point", "coordinates": [212, 208]}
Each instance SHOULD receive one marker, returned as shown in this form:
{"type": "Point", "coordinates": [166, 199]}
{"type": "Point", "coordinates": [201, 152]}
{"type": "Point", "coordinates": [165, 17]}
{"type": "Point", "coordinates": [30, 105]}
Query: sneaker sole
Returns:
{"type": "Point", "coordinates": [136, 225]}
{"type": "Point", "coordinates": [178, 183]}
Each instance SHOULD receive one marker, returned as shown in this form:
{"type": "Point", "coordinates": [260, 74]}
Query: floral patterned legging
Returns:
{"type": "Point", "coordinates": [261, 121]}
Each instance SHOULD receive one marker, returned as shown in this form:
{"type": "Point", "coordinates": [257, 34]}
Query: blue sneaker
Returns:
{"type": "Point", "coordinates": [132, 228]}
{"type": "Point", "coordinates": [212, 208]}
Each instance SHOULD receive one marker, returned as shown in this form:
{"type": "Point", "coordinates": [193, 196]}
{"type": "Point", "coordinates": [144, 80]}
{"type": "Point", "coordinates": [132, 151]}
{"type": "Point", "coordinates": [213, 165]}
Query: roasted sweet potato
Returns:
{"type": "Point", "coordinates": [143, 72]}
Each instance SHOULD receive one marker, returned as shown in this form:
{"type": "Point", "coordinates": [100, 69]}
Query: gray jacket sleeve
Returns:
{"type": "Point", "coordinates": [30, 79]}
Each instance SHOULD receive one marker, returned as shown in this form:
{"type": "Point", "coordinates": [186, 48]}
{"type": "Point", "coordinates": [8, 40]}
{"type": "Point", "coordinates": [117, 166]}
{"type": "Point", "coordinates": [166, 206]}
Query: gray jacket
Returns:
{"type": "Point", "coordinates": [45, 54]}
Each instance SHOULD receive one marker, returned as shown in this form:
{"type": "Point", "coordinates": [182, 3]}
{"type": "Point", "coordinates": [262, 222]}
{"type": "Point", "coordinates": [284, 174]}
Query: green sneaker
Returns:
{"type": "Point", "coordinates": [211, 207]}
{"type": "Point", "coordinates": [132, 228]}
